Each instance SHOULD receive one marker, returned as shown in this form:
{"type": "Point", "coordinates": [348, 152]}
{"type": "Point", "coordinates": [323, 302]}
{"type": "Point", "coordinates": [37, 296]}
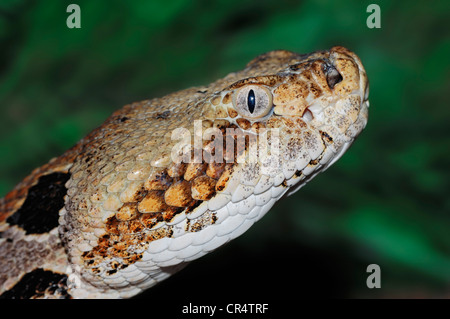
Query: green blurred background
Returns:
{"type": "Point", "coordinates": [385, 202]}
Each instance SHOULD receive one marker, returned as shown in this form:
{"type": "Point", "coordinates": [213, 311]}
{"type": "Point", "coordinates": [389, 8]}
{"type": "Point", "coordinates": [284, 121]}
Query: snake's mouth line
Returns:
{"type": "Point", "coordinates": [307, 115]}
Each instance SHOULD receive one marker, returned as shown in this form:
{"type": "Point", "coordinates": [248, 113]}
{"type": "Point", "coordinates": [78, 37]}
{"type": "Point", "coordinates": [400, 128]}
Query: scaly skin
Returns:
{"type": "Point", "coordinates": [117, 213]}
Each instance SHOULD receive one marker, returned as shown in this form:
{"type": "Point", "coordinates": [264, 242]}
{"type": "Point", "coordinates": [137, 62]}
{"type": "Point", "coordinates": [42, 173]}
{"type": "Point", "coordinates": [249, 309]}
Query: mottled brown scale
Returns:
{"type": "Point", "coordinates": [232, 112]}
{"type": "Point", "coordinates": [176, 169]}
{"type": "Point", "coordinates": [203, 188]}
{"type": "Point", "coordinates": [225, 177]}
{"type": "Point", "coordinates": [243, 123]}
{"type": "Point", "coordinates": [194, 170]}
{"type": "Point", "coordinates": [135, 226]}
{"type": "Point", "coordinates": [178, 194]}
{"type": "Point", "coordinates": [151, 219]}
{"type": "Point", "coordinates": [314, 89]}
{"type": "Point", "coordinates": [257, 127]}
{"type": "Point", "coordinates": [226, 99]}
{"type": "Point", "coordinates": [127, 212]}
{"type": "Point", "coordinates": [139, 194]}
{"type": "Point", "coordinates": [158, 181]}
{"type": "Point", "coordinates": [216, 100]}
{"type": "Point", "coordinates": [153, 202]}
{"type": "Point", "coordinates": [112, 226]}
{"type": "Point", "coordinates": [215, 170]}
{"type": "Point", "coordinates": [221, 112]}
{"type": "Point", "coordinates": [206, 124]}
{"type": "Point", "coordinates": [171, 212]}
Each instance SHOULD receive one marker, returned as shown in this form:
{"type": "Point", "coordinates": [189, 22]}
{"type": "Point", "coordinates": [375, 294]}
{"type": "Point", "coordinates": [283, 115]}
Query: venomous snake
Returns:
{"type": "Point", "coordinates": [163, 182]}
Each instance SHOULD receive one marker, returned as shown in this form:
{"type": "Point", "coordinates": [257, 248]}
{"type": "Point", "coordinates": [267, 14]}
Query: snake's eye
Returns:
{"type": "Point", "coordinates": [253, 101]}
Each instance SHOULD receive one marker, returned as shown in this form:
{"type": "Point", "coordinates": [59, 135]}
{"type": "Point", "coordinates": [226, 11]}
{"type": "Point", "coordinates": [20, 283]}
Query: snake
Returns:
{"type": "Point", "coordinates": [165, 181]}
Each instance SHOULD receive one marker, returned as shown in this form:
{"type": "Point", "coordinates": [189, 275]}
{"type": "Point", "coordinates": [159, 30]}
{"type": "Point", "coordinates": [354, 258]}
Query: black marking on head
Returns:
{"type": "Point", "coordinates": [162, 115]}
{"type": "Point", "coordinates": [38, 283]}
{"type": "Point", "coordinates": [299, 66]}
{"type": "Point", "coordinates": [326, 138]}
{"type": "Point", "coordinates": [40, 212]}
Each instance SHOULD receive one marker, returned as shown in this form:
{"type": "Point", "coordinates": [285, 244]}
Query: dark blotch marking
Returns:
{"type": "Point", "coordinates": [88, 157]}
{"type": "Point", "coordinates": [123, 119]}
{"type": "Point", "coordinates": [40, 212]}
{"type": "Point", "coordinates": [325, 137]}
{"type": "Point", "coordinates": [38, 283]}
{"type": "Point", "coordinates": [162, 115]}
{"type": "Point", "coordinates": [140, 194]}
{"type": "Point", "coordinates": [193, 206]}
{"type": "Point", "coordinates": [299, 66]}
{"type": "Point", "coordinates": [298, 173]}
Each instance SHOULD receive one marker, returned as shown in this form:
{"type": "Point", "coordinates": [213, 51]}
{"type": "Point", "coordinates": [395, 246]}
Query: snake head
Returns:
{"type": "Point", "coordinates": [323, 80]}
{"type": "Point", "coordinates": [308, 108]}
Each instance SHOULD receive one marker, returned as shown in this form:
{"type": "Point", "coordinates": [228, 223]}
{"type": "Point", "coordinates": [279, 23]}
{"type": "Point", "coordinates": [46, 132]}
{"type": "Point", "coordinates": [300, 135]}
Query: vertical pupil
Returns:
{"type": "Point", "coordinates": [251, 102]}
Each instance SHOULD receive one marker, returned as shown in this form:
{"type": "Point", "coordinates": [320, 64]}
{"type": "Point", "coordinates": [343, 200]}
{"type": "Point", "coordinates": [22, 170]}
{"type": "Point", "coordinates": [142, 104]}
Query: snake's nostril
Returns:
{"type": "Point", "coordinates": [333, 75]}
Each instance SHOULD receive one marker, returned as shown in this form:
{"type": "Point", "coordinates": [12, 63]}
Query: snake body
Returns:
{"type": "Point", "coordinates": [165, 181]}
